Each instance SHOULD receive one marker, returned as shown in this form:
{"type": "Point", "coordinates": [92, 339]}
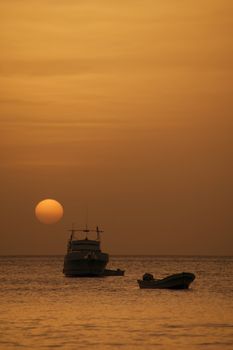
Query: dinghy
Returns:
{"type": "Point", "coordinates": [177, 281]}
{"type": "Point", "coordinates": [118, 272]}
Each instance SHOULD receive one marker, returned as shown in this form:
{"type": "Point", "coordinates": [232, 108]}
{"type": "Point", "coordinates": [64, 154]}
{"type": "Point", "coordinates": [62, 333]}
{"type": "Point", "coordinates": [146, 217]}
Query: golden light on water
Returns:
{"type": "Point", "coordinates": [49, 211]}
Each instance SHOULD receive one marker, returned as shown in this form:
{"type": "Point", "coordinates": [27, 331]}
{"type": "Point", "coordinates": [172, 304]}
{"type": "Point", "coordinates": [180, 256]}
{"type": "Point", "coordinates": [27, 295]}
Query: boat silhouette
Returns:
{"type": "Point", "coordinates": [84, 257]}
{"type": "Point", "coordinates": [177, 281]}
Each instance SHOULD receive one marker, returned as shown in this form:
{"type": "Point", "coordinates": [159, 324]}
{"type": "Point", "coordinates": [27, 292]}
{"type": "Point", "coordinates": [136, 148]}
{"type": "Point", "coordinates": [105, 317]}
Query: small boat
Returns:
{"type": "Point", "coordinates": [177, 281]}
{"type": "Point", "coordinates": [118, 272]}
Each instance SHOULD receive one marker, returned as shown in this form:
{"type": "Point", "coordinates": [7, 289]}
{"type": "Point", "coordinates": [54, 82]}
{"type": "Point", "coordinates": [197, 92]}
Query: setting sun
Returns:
{"type": "Point", "coordinates": [49, 211]}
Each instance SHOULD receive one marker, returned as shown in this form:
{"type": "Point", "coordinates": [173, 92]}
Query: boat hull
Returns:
{"type": "Point", "coordinates": [177, 281]}
{"type": "Point", "coordinates": [85, 267]}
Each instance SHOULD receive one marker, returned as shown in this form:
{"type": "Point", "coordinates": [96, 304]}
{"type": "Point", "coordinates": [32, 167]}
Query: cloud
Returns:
{"type": "Point", "coordinates": [45, 67]}
{"type": "Point", "coordinates": [15, 101]}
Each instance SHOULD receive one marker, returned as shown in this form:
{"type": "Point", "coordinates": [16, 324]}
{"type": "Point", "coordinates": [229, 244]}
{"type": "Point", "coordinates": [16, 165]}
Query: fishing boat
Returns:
{"type": "Point", "coordinates": [177, 281]}
{"type": "Point", "coordinates": [84, 257]}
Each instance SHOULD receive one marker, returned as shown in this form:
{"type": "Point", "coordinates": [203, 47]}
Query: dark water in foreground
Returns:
{"type": "Point", "coordinates": [41, 309]}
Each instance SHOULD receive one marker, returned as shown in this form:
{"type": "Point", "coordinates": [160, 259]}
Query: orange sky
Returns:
{"type": "Point", "coordinates": [124, 106]}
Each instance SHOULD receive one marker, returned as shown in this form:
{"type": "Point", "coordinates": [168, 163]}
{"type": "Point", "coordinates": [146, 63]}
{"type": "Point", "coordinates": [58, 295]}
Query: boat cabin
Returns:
{"type": "Point", "coordinates": [75, 245]}
{"type": "Point", "coordinates": [84, 245]}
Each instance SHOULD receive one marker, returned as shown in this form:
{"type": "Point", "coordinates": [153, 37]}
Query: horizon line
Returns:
{"type": "Point", "coordinates": [124, 255]}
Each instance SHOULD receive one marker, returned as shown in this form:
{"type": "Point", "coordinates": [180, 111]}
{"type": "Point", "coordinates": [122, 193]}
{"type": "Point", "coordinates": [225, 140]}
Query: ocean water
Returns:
{"type": "Point", "coordinates": [42, 309]}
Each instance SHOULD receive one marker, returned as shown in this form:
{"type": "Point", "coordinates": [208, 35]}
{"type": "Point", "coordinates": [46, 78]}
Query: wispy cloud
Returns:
{"type": "Point", "coordinates": [45, 67]}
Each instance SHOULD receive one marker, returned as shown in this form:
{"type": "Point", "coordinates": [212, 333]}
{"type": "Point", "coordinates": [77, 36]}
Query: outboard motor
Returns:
{"type": "Point", "coordinates": [147, 277]}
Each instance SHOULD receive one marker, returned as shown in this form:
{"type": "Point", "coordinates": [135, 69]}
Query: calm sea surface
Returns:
{"type": "Point", "coordinates": [41, 309]}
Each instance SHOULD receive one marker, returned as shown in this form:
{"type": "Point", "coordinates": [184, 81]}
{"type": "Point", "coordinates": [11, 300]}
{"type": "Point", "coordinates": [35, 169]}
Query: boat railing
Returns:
{"type": "Point", "coordinates": [86, 230]}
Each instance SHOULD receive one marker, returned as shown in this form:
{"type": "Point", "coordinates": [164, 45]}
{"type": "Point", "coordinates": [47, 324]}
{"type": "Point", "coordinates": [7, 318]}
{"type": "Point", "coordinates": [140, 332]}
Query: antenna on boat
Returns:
{"type": "Point", "coordinates": [86, 229]}
{"type": "Point", "coordinates": [98, 233]}
{"type": "Point", "coordinates": [72, 231]}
